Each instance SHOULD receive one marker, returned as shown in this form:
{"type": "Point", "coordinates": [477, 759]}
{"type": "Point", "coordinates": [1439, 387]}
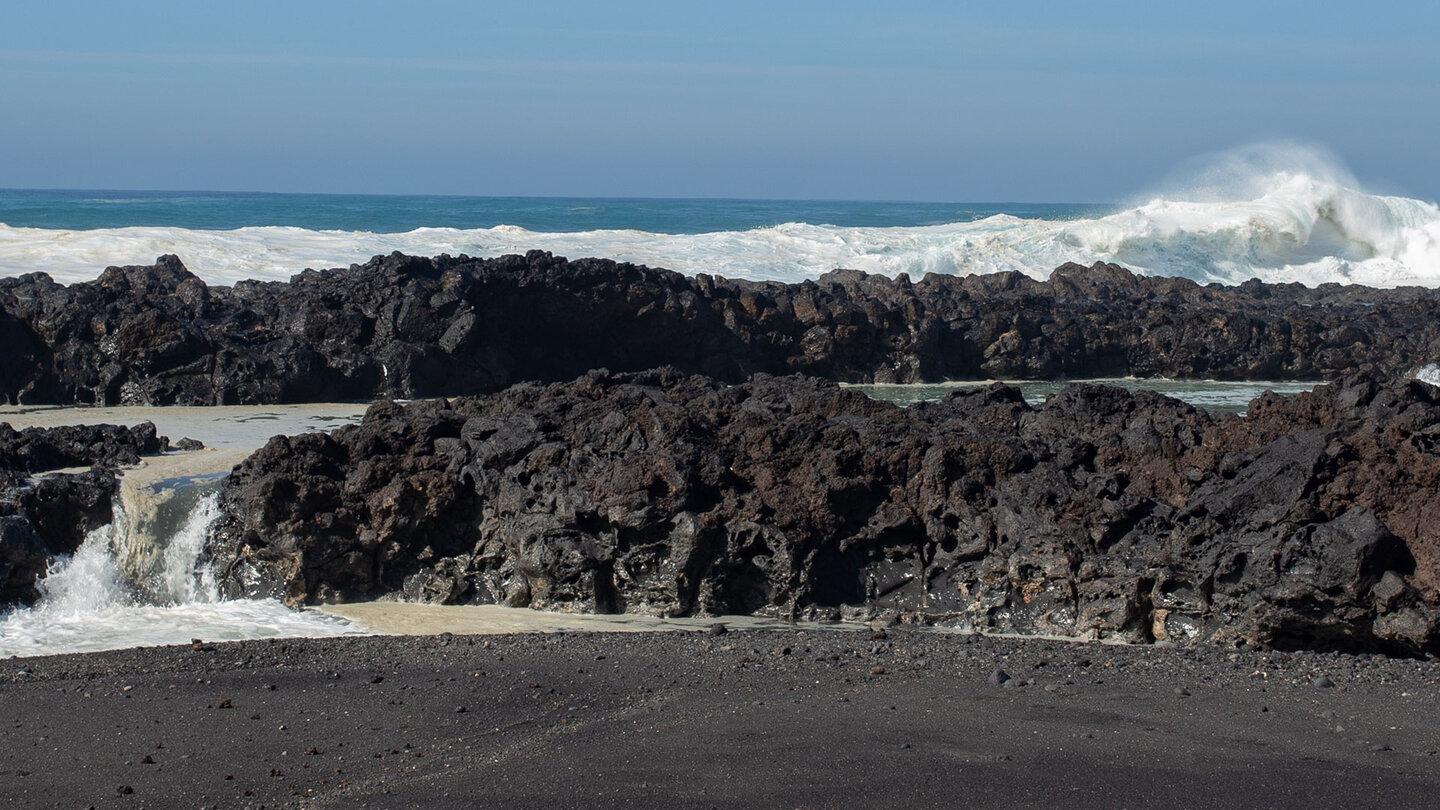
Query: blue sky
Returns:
{"type": "Point", "coordinates": [1024, 101]}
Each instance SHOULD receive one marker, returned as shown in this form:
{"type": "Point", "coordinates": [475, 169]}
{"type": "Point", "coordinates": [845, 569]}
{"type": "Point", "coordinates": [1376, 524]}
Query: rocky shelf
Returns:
{"type": "Point", "coordinates": [1308, 524]}
{"type": "Point", "coordinates": [406, 327]}
{"type": "Point", "coordinates": [710, 470]}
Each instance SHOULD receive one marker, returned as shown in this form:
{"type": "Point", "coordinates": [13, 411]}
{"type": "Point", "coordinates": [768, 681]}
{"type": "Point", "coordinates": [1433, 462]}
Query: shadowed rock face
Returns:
{"type": "Point", "coordinates": [44, 516]}
{"type": "Point", "coordinates": [1101, 513]}
{"type": "Point", "coordinates": [409, 327]}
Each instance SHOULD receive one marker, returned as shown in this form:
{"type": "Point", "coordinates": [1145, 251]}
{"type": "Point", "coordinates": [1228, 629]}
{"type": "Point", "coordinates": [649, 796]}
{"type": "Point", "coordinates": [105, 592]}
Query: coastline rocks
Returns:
{"type": "Point", "coordinates": [407, 327]}
{"type": "Point", "coordinates": [1099, 514]}
{"type": "Point", "coordinates": [46, 515]}
{"type": "Point", "coordinates": [40, 449]}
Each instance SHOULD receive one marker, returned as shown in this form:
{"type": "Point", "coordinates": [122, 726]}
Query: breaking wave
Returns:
{"type": "Point", "coordinates": [96, 600]}
{"type": "Point", "coordinates": [1278, 213]}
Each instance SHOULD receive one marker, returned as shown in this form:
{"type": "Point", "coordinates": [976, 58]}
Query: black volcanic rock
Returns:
{"type": "Point", "coordinates": [41, 449]}
{"type": "Point", "coordinates": [42, 516]}
{"type": "Point", "coordinates": [406, 327]}
{"type": "Point", "coordinates": [1098, 514]}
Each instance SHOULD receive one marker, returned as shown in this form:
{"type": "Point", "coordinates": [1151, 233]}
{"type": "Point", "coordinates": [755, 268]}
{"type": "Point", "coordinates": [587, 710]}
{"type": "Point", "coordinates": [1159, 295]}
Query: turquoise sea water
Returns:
{"type": "Point", "coordinates": [204, 210]}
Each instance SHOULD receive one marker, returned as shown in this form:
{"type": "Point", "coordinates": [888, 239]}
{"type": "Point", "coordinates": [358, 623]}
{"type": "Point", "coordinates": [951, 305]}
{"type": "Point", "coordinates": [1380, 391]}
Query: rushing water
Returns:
{"type": "Point", "coordinates": [89, 602]}
{"type": "Point", "coordinates": [141, 580]}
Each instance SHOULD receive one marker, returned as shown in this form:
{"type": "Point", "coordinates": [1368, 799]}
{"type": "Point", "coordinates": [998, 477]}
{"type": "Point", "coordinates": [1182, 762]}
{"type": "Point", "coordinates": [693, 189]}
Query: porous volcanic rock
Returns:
{"type": "Point", "coordinates": [34, 449]}
{"type": "Point", "coordinates": [42, 516]}
{"type": "Point", "coordinates": [1099, 514]}
{"type": "Point", "coordinates": [406, 327]}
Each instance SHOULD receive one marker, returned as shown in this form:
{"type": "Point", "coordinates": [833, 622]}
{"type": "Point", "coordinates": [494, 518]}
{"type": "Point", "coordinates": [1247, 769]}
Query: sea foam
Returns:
{"type": "Point", "coordinates": [88, 604]}
{"type": "Point", "coordinates": [1280, 214]}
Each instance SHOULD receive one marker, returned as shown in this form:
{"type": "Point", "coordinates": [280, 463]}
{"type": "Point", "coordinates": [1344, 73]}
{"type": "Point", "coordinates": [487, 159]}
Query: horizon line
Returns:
{"type": "Point", "coordinates": [617, 198]}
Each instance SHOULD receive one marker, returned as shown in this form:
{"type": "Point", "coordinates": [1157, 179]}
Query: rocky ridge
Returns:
{"type": "Point", "coordinates": [1099, 514]}
{"type": "Point", "coordinates": [407, 327]}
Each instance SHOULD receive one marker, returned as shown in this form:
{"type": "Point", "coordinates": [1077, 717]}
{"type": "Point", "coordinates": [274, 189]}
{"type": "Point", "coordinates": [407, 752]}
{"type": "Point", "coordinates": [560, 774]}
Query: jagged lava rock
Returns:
{"type": "Point", "coordinates": [42, 516]}
{"type": "Point", "coordinates": [1099, 514]}
{"type": "Point", "coordinates": [34, 450]}
{"type": "Point", "coordinates": [406, 327]}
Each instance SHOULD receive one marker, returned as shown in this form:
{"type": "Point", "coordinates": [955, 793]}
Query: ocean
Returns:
{"type": "Point", "coordinates": [1288, 227]}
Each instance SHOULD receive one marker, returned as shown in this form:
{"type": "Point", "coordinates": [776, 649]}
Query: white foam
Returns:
{"type": "Point", "coordinates": [89, 580]}
{"type": "Point", "coordinates": [181, 580]}
{"type": "Point", "coordinates": [1301, 229]}
{"type": "Point", "coordinates": [1281, 214]}
{"type": "Point", "coordinates": [36, 631]}
{"type": "Point", "coordinates": [1429, 374]}
{"type": "Point", "coordinates": [86, 605]}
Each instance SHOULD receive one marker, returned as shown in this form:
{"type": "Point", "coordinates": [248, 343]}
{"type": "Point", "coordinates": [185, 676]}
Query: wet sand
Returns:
{"type": "Point", "coordinates": [750, 718]}
{"type": "Point", "coordinates": [240, 428]}
{"type": "Point", "coordinates": [412, 619]}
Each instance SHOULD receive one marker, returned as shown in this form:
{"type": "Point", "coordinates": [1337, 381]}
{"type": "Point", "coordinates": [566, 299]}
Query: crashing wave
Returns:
{"type": "Point", "coordinates": [1278, 214]}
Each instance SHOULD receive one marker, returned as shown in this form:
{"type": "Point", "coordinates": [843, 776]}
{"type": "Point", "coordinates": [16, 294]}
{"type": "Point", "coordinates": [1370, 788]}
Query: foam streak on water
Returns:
{"type": "Point", "coordinates": [87, 605]}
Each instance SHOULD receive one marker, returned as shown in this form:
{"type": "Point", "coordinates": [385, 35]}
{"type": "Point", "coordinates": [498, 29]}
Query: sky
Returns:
{"type": "Point", "coordinates": [945, 101]}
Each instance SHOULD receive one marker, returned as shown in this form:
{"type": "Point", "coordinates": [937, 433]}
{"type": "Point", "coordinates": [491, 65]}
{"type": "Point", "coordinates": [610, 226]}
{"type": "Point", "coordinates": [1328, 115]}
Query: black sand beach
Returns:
{"type": "Point", "coordinates": [801, 718]}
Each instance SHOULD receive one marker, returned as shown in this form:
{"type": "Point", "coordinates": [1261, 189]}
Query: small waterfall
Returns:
{"type": "Point", "coordinates": [162, 536]}
{"type": "Point", "coordinates": [181, 579]}
{"type": "Point", "coordinates": [139, 582]}
{"type": "Point", "coordinates": [101, 574]}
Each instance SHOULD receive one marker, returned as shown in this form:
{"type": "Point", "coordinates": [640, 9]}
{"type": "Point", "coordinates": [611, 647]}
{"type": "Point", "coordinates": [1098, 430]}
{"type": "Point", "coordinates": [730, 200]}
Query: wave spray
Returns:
{"type": "Point", "coordinates": [1277, 212]}
{"type": "Point", "coordinates": [128, 587]}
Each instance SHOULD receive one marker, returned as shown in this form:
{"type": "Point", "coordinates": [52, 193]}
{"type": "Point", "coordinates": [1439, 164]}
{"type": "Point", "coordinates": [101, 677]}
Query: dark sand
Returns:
{"type": "Point", "coordinates": [699, 720]}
